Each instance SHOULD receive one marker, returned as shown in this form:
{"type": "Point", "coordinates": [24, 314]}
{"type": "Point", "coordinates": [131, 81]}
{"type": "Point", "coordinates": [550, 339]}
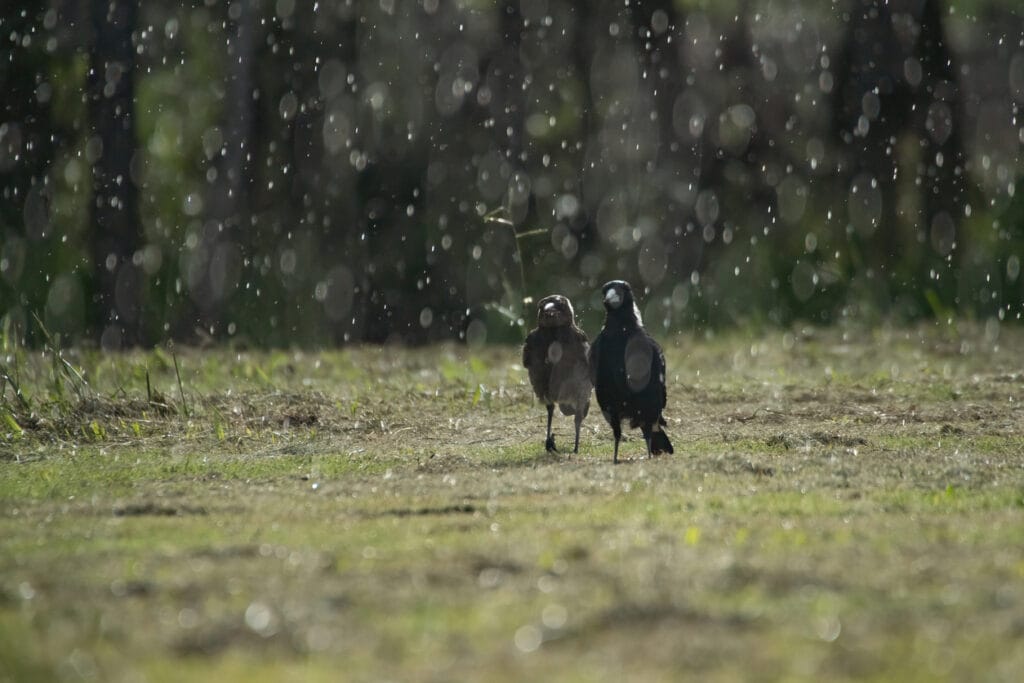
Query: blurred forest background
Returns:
{"type": "Point", "coordinates": [286, 172]}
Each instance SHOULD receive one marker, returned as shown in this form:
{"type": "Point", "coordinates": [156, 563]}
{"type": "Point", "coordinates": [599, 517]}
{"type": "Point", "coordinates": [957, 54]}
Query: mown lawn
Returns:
{"type": "Point", "coordinates": [842, 505]}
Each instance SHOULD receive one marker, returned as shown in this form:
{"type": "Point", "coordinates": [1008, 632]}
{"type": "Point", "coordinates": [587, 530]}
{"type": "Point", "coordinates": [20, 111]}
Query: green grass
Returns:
{"type": "Point", "coordinates": [842, 505]}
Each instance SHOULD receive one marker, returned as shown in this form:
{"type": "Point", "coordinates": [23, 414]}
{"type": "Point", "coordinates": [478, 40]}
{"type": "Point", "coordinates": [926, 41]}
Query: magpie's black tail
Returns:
{"type": "Point", "coordinates": [660, 443]}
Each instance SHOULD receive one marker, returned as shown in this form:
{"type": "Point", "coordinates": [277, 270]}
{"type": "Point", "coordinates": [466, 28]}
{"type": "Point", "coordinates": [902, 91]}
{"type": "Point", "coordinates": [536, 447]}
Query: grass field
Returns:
{"type": "Point", "coordinates": [842, 505]}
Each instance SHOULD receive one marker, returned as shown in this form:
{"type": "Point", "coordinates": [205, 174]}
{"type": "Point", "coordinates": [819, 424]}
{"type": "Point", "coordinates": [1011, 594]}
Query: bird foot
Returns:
{"type": "Point", "coordinates": [549, 444]}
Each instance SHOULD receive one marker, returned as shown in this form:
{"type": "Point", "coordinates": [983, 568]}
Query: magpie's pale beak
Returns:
{"type": "Point", "coordinates": [612, 297]}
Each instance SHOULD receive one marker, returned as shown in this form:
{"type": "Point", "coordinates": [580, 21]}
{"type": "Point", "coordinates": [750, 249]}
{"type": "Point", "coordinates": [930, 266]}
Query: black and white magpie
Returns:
{"type": "Point", "coordinates": [627, 368]}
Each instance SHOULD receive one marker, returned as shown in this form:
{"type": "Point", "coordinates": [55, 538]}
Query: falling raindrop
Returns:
{"type": "Point", "coordinates": [528, 638]}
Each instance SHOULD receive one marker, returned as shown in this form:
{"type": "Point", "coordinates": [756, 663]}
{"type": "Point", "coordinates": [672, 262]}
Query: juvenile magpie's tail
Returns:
{"type": "Point", "coordinates": [660, 443]}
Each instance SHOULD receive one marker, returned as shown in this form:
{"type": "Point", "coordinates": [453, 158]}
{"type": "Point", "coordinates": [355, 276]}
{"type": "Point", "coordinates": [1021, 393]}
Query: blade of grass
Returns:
{"type": "Point", "coordinates": [181, 390]}
{"type": "Point", "coordinates": [8, 378]}
{"type": "Point", "coordinates": [61, 366]}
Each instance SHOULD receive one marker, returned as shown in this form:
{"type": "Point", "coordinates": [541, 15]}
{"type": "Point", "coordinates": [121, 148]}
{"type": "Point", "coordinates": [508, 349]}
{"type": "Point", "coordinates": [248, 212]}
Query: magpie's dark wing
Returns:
{"type": "Point", "coordinates": [574, 351]}
{"type": "Point", "coordinates": [527, 347]}
{"type": "Point", "coordinates": [593, 355]}
{"type": "Point", "coordinates": [583, 341]}
{"type": "Point", "coordinates": [658, 370]}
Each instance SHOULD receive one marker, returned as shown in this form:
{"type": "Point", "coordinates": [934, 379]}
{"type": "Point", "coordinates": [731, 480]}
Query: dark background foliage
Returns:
{"type": "Point", "coordinates": [277, 172]}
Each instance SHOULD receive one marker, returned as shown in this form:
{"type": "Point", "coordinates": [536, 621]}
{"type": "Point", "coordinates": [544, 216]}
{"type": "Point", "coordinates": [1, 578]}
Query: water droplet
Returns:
{"type": "Point", "coordinates": [528, 638]}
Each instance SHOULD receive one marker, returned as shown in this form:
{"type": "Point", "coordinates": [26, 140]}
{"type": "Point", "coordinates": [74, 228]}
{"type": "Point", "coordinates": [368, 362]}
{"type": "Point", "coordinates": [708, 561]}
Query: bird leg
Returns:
{"type": "Point", "coordinates": [617, 431]}
{"type": "Point", "coordinates": [549, 444]}
{"type": "Point", "coordinates": [647, 440]}
{"type": "Point", "coordinates": [578, 419]}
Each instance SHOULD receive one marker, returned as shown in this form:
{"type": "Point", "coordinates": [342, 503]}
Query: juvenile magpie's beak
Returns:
{"type": "Point", "coordinates": [612, 297]}
{"type": "Point", "coordinates": [549, 306]}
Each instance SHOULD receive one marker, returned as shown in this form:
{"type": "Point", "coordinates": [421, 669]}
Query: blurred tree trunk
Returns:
{"type": "Point", "coordinates": [742, 177]}
{"type": "Point", "coordinates": [582, 52]}
{"type": "Point", "coordinates": [234, 172]}
{"type": "Point", "coordinates": [658, 34]}
{"type": "Point", "coordinates": [895, 77]}
{"type": "Point", "coordinates": [871, 107]}
{"type": "Point", "coordinates": [391, 185]}
{"type": "Point", "coordinates": [226, 239]}
{"type": "Point", "coordinates": [347, 280]}
{"type": "Point", "coordinates": [940, 124]}
{"type": "Point", "coordinates": [505, 74]}
{"type": "Point", "coordinates": [514, 81]}
{"type": "Point", "coordinates": [29, 141]}
{"type": "Point", "coordinates": [506, 80]}
{"type": "Point", "coordinates": [111, 148]}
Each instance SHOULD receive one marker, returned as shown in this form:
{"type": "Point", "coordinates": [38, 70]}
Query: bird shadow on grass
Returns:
{"type": "Point", "coordinates": [517, 457]}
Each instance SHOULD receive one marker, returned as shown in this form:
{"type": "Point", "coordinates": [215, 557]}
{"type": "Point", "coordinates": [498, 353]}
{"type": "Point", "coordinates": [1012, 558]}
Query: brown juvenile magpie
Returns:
{"type": "Point", "coordinates": [555, 355]}
{"type": "Point", "coordinates": [627, 368]}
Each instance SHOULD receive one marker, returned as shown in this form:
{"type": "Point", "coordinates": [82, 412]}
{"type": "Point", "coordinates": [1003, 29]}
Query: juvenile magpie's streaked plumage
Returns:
{"type": "Point", "coordinates": [627, 368]}
{"type": "Point", "coordinates": [555, 354]}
